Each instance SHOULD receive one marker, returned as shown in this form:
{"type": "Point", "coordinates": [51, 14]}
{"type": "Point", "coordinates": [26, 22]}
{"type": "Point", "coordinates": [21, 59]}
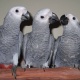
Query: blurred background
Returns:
{"type": "Point", "coordinates": [59, 7]}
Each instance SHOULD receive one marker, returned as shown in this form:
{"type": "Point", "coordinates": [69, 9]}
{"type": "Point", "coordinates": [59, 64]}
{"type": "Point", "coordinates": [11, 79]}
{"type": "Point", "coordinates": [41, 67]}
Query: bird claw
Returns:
{"type": "Point", "coordinates": [78, 67]}
{"type": "Point", "coordinates": [29, 66]}
{"type": "Point", "coordinates": [14, 71]}
{"type": "Point", "coordinates": [54, 66]}
{"type": "Point", "coordinates": [24, 69]}
{"type": "Point", "coordinates": [44, 69]}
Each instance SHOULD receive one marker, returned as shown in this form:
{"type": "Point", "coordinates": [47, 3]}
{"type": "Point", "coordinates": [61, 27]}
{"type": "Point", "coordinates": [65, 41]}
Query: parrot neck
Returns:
{"type": "Point", "coordinates": [70, 30]}
{"type": "Point", "coordinates": [42, 29]}
{"type": "Point", "coordinates": [11, 27]}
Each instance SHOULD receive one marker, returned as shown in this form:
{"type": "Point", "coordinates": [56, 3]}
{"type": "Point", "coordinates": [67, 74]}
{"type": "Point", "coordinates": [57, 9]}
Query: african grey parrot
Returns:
{"type": "Point", "coordinates": [11, 37]}
{"type": "Point", "coordinates": [38, 45]}
{"type": "Point", "coordinates": [67, 47]}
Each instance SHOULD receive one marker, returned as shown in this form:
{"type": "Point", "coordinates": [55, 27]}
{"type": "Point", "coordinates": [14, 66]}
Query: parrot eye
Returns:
{"type": "Point", "coordinates": [16, 10]}
{"type": "Point", "coordinates": [74, 18]}
{"type": "Point", "coordinates": [42, 17]}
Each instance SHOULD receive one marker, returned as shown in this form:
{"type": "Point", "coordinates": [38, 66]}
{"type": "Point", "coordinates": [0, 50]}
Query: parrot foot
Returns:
{"type": "Point", "coordinates": [28, 66]}
{"type": "Point", "coordinates": [14, 71]}
{"type": "Point", "coordinates": [45, 65]}
{"type": "Point", "coordinates": [54, 66]}
{"type": "Point", "coordinates": [24, 69]}
{"type": "Point", "coordinates": [78, 67]}
{"type": "Point", "coordinates": [44, 69]}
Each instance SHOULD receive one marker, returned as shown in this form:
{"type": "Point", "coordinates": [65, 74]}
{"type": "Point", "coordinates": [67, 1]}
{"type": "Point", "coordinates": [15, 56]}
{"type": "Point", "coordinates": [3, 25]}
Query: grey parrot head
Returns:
{"type": "Point", "coordinates": [69, 20]}
{"type": "Point", "coordinates": [47, 16]}
{"type": "Point", "coordinates": [21, 15]}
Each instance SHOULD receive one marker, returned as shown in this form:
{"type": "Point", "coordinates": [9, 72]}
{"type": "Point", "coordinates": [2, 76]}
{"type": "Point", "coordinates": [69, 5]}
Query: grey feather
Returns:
{"type": "Point", "coordinates": [10, 36]}
{"type": "Point", "coordinates": [55, 50]}
{"type": "Point", "coordinates": [68, 50]}
{"type": "Point", "coordinates": [25, 40]}
{"type": "Point", "coordinates": [20, 41]}
{"type": "Point", "coordinates": [39, 42]}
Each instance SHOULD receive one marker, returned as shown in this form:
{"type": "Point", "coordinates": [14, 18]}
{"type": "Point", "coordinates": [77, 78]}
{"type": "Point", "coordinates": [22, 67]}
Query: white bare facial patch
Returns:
{"type": "Point", "coordinates": [17, 12]}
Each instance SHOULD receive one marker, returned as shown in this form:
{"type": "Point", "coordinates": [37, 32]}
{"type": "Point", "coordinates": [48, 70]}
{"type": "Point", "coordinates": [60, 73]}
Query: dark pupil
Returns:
{"type": "Point", "coordinates": [42, 17]}
{"type": "Point", "coordinates": [17, 11]}
{"type": "Point", "coordinates": [74, 18]}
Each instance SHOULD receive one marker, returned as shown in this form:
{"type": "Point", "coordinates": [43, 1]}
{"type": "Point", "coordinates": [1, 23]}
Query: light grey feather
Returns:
{"type": "Point", "coordinates": [68, 50]}
{"type": "Point", "coordinates": [40, 43]}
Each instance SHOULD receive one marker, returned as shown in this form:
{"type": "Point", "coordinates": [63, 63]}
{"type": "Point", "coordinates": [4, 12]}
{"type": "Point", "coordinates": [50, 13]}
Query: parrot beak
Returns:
{"type": "Point", "coordinates": [64, 20]}
{"type": "Point", "coordinates": [27, 17]}
{"type": "Point", "coordinates": [54, 22]}
{"type": "Point", "coordinates": [27, 20]}
{"type": "Point", "coordinates": [53, 19]}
